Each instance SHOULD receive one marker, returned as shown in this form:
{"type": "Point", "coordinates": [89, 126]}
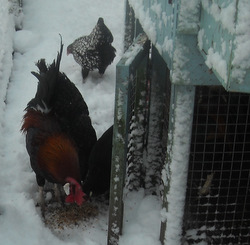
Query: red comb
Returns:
{"type": "Point", "coordinates": [72, 181]}
{"type": "Point", "coordinates": [78, 195]}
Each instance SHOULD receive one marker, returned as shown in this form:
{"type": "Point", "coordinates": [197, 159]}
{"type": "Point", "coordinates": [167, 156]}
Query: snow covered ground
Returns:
{"type": "Point", "coordinates": [20, 221]}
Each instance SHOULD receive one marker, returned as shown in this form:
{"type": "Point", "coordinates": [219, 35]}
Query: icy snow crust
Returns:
{"type": "Point", "coordinates": [6, 37]}
{"type": "Point", "coordinates": [20, 221]}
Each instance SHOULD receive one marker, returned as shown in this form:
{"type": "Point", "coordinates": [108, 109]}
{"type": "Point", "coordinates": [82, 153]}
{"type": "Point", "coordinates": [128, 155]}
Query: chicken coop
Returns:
{"type": "Point", "coordinates": [182, 123]}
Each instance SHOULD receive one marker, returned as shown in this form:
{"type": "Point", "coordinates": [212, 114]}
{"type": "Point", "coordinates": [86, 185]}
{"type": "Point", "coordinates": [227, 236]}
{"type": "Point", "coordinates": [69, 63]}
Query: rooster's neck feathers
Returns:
{"type": "Point", "coordinates": [42, 121]}
{"type": "Point", "coordinates": [59, 149]}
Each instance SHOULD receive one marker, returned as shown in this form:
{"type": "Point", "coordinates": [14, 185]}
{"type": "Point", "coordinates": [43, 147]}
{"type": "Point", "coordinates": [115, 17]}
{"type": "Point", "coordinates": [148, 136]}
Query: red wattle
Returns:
{"type": "Point", "coordinates": [70, 198]}
{"type": "Point", "coordinates": [76, 194]}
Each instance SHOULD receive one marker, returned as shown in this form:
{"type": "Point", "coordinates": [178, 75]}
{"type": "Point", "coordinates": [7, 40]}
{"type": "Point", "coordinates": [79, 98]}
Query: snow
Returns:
{"type": "Point", "coordinates": [132, 52]}
{"type": "Point", "coordinates": [6, 35]}
{"type": "Point", "coordinates": [168, 45]}
{"type": "Point", "coordinates": [215, 60]}
{"type": "Point", "coordinates": [188, 18]}
{"type": "Point", "coordinates": [139, 212]}
{"type": "Point", "coordinates": [180, 59]}
{"type": "Point", "coordinates": [145, 19]}
{"type": "Point", "coordinates": [238, 26]}
{"type": "Point", "coordinates": [223, 14]}
{"type": "Point", "coordinates": [241, 59]}
{"type": "Point", "coordinates": [42, 22]}
{"type": "Point", "coordinates": [178, 166]}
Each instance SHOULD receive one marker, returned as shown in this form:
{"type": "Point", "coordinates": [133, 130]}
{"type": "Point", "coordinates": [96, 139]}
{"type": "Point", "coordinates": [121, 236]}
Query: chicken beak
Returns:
{"type": "Point", "coordinates": [66, 188]}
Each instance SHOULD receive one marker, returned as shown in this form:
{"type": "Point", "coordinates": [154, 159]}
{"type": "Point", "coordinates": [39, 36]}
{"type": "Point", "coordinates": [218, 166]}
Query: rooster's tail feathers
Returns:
{"type": "Point", "coordinates": [47, 80]}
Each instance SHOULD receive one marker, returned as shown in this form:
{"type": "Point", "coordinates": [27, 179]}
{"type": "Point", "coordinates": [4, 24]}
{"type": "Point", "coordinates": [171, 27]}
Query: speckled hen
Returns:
{"type": "Point", "coordinates": [95, 50]}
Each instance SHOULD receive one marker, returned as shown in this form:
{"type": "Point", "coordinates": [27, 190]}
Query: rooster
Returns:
{"type": "Point", "coordinates": [59, 133]}
{"type": "Point", "coordinates": [97, 181]}
{"type": "Point", "coordinates": [95, 50]}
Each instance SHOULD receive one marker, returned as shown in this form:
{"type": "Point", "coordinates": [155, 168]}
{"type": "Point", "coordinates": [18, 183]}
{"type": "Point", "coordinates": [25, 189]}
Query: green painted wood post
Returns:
{"type": "Point", "coordinates": [125, 71]}
{"type": "Point", "coordinates": [118, 156]}
{"type": "Point", "coordinates": [174, 174]}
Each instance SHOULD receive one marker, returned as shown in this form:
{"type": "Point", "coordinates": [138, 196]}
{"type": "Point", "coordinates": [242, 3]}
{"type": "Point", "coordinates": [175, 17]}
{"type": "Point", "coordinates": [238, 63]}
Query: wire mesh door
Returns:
{"type": "Point", "coordinates": [140, 127]}
{"type": "Point", "coordinates": [130, 68]}
{"type": "Point", "coordinates": [148, 126]}
{"type": "Point", "coordinates": [218, 193]}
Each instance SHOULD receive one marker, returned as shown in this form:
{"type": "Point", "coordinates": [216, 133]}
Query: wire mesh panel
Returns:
{"type": "Point", "coordinates": [126, 71]}
{"type": "Point", "coordinates": [140, 127]}
{"type": "Point", "coordinates": [218, 190]}
{"type": "Point", "coordinates": [149, 99]}
{"type": "Point", "coordinates": [137, 116]}
{"type": "Point", "coordinates": [158, 121]}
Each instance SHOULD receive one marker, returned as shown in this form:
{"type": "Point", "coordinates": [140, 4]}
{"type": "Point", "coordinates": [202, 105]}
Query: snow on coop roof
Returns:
{"type": "Point", "coordinates": [224, 14]}
{"type": "Point", "coordinates": [241, 59]}
{"type": "Point", "coordinates": [221, 29]}
{"type": "Point", "coordinates": [145, 19]}
{"type": "Point", "coordinates": [189, 14]}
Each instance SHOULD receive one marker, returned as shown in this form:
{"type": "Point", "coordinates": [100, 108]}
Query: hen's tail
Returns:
{"type": "Point", "coordinates": [47, 80]}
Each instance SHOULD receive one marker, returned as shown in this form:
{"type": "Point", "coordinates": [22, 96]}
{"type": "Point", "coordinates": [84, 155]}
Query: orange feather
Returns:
{"type": "Point", "coordinates": [58, 158]}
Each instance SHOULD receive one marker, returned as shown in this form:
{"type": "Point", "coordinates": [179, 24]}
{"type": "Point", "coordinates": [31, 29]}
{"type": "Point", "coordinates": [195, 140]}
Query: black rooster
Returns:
{"type": "Point", "coordinates": [98, 178]}
{"type": "Point", "coordinates": [95, 50]}
{"type": "Point", "coordinates": [59, 133]}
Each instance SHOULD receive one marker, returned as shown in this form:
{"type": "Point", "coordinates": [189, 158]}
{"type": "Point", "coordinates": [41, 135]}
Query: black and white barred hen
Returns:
{"type": "Point", "coordinates": [95, 50]}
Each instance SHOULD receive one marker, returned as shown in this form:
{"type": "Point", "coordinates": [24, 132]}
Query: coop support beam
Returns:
{"type": "Point", "coordinates": [174, 174]}
{"type": "Point", "coordinates": [125, 70]}
{"type": "Point", "coordinates": [118, 157]}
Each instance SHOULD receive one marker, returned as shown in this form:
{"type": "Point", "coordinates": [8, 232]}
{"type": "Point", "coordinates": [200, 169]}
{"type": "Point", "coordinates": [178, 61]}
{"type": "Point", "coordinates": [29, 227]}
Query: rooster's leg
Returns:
{"type": "Point", "coordinates": [41, 200]}
{"type": "Point", "coordinates": [58, 194]}
{"type": "Point", "coordinates": [41, 182]}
